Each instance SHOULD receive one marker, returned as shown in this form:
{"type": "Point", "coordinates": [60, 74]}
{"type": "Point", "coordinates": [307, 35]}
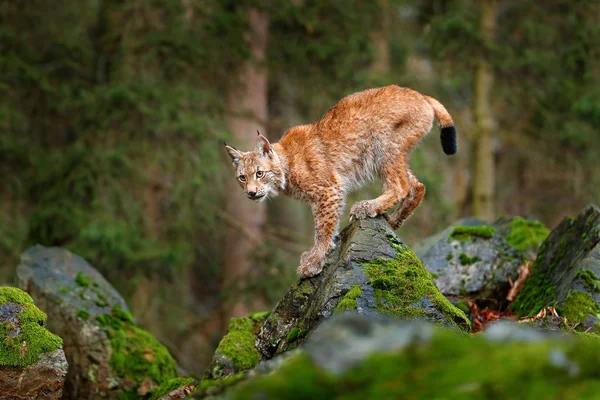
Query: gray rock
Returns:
{"type": "Point", "coordinates": [44, 380]}
{"type": "Point", "coordinates": [345, 340]}
{"type": "Point", "coordinates": [87, 312]}
{"type": "Point", "coordinates": [566, 273]}
{"type": "Point", "coordinates": [478, 266]}
{"type": "Point", "coordinates": [370, 272]}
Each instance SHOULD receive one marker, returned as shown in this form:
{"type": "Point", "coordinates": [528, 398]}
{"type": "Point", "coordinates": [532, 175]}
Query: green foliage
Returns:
{"type": "Point", "coordinates": [31, 339]}
{"type": "Point", "coordinates": [526, 234]}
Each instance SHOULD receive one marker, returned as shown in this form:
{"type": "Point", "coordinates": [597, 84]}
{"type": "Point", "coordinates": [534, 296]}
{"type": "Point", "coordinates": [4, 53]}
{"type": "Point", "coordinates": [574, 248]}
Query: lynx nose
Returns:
{"type": "Point", "coordinates": [251, 194]}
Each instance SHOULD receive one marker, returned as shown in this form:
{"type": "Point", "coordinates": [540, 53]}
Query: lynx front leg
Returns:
{"type": "Point", "coordinates": [326, 213]}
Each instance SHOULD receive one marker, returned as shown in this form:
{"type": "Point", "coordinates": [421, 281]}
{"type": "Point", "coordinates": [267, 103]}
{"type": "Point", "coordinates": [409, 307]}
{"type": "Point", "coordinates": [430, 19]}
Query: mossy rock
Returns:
{"type": "Point", "coordinates": [108, 354]}
{"type": "Point", "coordinates": [32, 363]}
{"type": "Point", "coordinates": [236, 351]}
{"type": "Point", "coordinates": [370, 272]}
{"type": "Point", "coordinates": [415, 360]}
{"type": "Point", "coordinates": [566, 273]}
{"type": "Point", "coordinates": [477, 260]}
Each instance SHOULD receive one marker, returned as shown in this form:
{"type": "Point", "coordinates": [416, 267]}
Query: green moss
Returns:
{"type": "Point", "coordinates": [295, 334]}
{"type": "Point", "coordinates": [538, 291]}
{"type": "Point", "coordinates": [82, 280]}
{"type": "Point", "coordinates": [526, 234]}
{"type": "Point", "coordinates": [578, 305]}
{"type": "Point", "coordinates": [259, 316]}
{"type": "Point", "coordinates": [83, 314]}
{"type": "Point", "coordinates": [466, 260]}
{"type": "Point", "coordinates": [170, 385]}
{"type": "Point", "coordinates": [33, 339]}
{"type": "Point", "coordinates": [590, 280]}
{"type": "Point", "coordinates": [448, 366]}
{"type": "Point", "coordinates": [238, 344]}
{"type": "Point", "coordinates": [449, 257]}
{"type": "Point", "coordinates": [401, 283]}
{"type": "Point", "coordinates": [464, 233]}
{"type": "Point", "coordinates": [136, 354]}
{"type": "Point", "coordinates": [348, 302]}
{"type": "Point", "coordinates": [464, 306]}
{"type": "Point", "coordinates": [222, 382]}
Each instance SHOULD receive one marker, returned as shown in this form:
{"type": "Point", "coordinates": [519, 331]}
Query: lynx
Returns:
{"type": "Point", "coordinates": [365, 134]}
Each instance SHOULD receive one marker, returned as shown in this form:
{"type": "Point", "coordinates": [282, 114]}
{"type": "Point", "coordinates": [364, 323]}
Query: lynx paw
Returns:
{"type": "Point", "coordinates": [310, 265]}
{"type": "Point", "coordinates": [362, 210]}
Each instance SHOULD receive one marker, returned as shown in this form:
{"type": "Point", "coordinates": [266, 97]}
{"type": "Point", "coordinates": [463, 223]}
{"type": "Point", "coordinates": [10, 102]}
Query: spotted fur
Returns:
{"type": "Point", "coordinates": [366, 134]}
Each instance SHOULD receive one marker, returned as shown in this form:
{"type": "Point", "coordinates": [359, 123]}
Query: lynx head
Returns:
{"type": "Point", "coordinates": [258, 172]}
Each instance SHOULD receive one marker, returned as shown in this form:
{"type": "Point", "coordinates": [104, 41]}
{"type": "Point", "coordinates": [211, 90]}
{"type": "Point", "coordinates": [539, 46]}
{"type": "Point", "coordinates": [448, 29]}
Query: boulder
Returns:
{"type": "Point", "coordinates": [369, 272]}
{"type": "Point", "coordinates": [109, 356]}
{"type": "Point", "coordinates": [566, 273]}
{"type": "Point", "coordinates": [370, 356]}
{"type": "Point", "coordinates": [478, 260]}
{"type": "Point", "coordinates": [32, 362]}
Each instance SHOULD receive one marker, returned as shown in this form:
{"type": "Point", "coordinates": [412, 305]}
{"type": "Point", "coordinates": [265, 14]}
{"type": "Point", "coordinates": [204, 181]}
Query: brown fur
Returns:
{"type": "Point", "coordinates": [366, 134]}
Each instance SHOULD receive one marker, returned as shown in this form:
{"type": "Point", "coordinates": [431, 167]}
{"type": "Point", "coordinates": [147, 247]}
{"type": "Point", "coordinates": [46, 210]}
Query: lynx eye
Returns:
{"type": "Point", "coordinates": [259, 174]}
{"type": "Point", "coordinates": [242, 178]}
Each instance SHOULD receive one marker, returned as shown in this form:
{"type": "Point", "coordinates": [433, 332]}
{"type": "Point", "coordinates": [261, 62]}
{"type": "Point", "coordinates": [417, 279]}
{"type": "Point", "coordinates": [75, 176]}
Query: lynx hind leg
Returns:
{"type": "Point", "coordinates": [396, 187]}
{"type": "Point", "coordinates": [406, 209]}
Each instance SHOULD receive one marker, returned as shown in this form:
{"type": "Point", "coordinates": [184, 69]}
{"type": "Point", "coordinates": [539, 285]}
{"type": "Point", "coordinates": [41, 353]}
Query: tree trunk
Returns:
{"type": "Point", "coordinates": [381, 41]}
{"type": "Point", "coordinates": [247, 102]}
{"type": "Point", "coordinates": [483, 160]}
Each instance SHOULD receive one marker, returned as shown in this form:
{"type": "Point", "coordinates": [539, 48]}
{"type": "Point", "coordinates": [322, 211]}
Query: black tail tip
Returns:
{"type": "Point", "coordinates": [448, 137]}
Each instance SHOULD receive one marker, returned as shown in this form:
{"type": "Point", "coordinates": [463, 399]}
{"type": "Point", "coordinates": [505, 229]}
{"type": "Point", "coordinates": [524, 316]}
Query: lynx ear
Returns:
{"type": "Point", "coordinates": [234, 154]}
{"type": "Point", "coordinates": [263, 147]}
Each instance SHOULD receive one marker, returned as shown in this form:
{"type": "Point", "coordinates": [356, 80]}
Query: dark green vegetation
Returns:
{"type": "Point", "coordinates": [402, 283]}
{"type": "Point", "coordinates": [449, 366]}
{"type": "Point", "coordinates": [23, 337]}
{"type": "Point", "coordinates": [464, 233]}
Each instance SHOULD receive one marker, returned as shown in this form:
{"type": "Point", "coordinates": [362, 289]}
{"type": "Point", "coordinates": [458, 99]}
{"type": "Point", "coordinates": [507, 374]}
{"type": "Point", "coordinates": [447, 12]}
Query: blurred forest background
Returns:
{"type": "Point", "coordinates": [113, 114]}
